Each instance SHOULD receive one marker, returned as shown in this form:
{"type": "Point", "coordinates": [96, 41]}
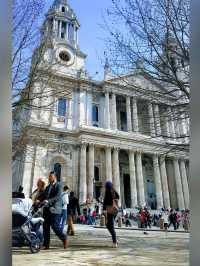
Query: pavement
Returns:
{"type": "Point", "coordinates": [93, 247]}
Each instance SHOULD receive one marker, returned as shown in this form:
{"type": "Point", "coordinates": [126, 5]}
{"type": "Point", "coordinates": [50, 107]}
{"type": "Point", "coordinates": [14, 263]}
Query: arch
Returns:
{"type": "Point", "coordinates": [59, 164]}
{"type": "Point", "coordinates": [58, 170]}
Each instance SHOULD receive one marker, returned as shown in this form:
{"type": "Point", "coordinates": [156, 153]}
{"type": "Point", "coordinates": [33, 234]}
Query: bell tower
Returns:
{"type": "Point", "coordinates": [60, 32]}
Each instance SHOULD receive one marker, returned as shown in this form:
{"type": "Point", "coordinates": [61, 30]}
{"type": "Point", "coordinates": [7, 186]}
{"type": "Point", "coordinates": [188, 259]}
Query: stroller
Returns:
{"type": "Point", "coordinates": [26, 224]}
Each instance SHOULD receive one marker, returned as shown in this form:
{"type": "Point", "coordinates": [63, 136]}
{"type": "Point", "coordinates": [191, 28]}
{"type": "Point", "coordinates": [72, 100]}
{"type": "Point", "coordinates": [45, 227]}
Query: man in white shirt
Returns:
{"type": "Point", "coordinates": [65, 202]}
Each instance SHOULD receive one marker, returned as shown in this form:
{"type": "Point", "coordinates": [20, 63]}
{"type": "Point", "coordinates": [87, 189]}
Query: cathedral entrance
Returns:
{"type": "Point", "coordinates": [150, 190]}
{"type": "Point", "coordinates": [57, 170]}
{"type": "Point", "coordinates": [127, 190]}
{"type": "Point", "coordinates": [97, 184]}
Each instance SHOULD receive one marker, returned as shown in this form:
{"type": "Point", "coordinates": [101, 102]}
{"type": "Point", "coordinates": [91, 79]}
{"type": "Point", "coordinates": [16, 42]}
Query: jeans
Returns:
{"type": "Point", "coordinates": [174, 224]}
{"type": "Point", "coordinates": [36, 229]}
{"type": "Point", "coordinates": [63, 219]}
{"type": "Point", "coordinates": [52, 220]}
{"type": "Point", "coordinates": [90, 220]}
{"type": "Point", "coordinates": [110, 227]}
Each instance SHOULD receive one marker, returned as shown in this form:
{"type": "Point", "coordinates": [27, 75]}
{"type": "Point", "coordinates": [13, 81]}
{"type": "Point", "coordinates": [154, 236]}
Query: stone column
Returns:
{"type": "Point", "coordinates": [89, 109]}
{"type": "Point", "coordinates": [128, 114]}
{"type": "Point", "coordinates": [60, 27]}
{"type": "Point", "coordinates": [82, 108]}
{"type": "Point", "coordinates": [166, 121]}
{"type": "Point", "coordinates": [185, 184]}
{"type": "Point", "coordinates": [108, 164]}
{"type": "Point", "coordinates": [116, 174]}
{"type": "Point", "coordinates": [165, 188]}
{"type": "Point", "coordinates": [114, 111]}
{"type": "Point", "coordinates": [83, 180]}
{"type": "Point", "coordinates": [135, 116]}
{"type": "Point", "coordinates": [91, 172]}
{"type": "Point", "coordinates": [107, 110]}
{"type": "Point", "coordinates": [157, 120]}
{"type": "Point", "coordinates": [178, 185]}
{"type": "Point", "coordinates": [133, 184]}
{"type": "Point", "coordinates": [171, 122]}
{"type": "Point", "coordinates": [140, 179]}
{"type": "Point", "coordinates": [157, 178]}
{"type": "Point", "coordinates": [151, 120]}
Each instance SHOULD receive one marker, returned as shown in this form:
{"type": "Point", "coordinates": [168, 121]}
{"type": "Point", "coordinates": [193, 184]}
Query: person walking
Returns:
{"type": "Point", "coordinates": [52, 212]}
{"type": "Point", "coordinates": [65, 202]}
{"type": "Point", "coordinates": [110, 208]}
{"type": "Point", "coordinates": [172, 219]}
{"type": "Point", "coordinates": [38, 194]}
{"type": "Point", "coordinates": [147, 218]}
{"type": "Point", "coordinates": [165, 217]}
{"type": "Point", "coordinates": [178, 219]}
{"type": "Point", "coordinates": [186, 220]}
{"type": "Point", "coordinates": [72, 208]}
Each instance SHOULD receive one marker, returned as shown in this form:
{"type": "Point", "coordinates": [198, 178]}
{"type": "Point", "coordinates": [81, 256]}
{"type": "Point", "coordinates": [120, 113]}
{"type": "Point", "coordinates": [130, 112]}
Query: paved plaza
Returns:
{"type": "Point", "coordinates": [92, 246]}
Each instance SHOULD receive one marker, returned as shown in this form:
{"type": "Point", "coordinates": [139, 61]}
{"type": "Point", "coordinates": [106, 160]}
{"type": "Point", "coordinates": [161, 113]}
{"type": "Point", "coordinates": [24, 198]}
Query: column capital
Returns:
{"type": "Point", "coordinates": [139, 151]}
{"type": "Point", "coordinates": [132, 150]}
{"type": "Point", "coordinates": [83, 144]}
{"type": "Point", "coordinates": [107, 92]}
{"type": "Point", "coordinates": [156, 155]}
{"type": "Point", "coordinates": [116, 148]}
{"type": "Point", "coordinates": [108, 147]}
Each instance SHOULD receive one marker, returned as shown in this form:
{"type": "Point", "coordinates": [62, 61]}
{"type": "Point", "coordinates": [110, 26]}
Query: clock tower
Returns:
{"type": "Point", "coordinates": [60, 36]}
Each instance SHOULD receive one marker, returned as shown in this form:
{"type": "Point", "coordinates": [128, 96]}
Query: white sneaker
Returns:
{"type": "Point", "coordinates": [115, 245]}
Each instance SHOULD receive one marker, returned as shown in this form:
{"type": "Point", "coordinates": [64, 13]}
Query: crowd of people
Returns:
{"type": "Point", "coordinates": [61, 207]}
{"type": "Point", "coordinates": [164, 219]}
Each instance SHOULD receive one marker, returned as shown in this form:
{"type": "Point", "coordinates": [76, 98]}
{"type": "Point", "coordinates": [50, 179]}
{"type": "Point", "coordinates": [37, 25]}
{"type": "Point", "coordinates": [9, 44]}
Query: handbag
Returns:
{"type": "Point", "coordinates": [113, 209]}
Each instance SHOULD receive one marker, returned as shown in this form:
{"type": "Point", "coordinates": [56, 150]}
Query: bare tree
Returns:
{"type": "Point", "coordinates": [151, 37]}
{"type": "Point", "coordinates": [154, 36]}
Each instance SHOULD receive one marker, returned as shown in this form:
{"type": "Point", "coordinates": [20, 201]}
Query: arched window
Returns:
{"type": "Point", "coordinates": [57, 170]}
{"type": "Point", "coordinates": [95, 115]}
{"type": "Point", "coordinates": [63, 9]}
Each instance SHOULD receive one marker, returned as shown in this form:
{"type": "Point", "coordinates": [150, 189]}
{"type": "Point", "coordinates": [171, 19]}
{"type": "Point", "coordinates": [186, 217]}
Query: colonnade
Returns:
{"type": "Point", "coordinates": [132, 117]}
{"type": "Point", "coordinates": [137, 187]}
{"type": "Point", "coordinates": [159, 124]}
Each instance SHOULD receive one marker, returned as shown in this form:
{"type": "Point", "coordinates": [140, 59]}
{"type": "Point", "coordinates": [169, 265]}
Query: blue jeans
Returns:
{"type": "Point", "coordinates": [90, 220]}
{"type": "Point", "coordinates": [63, 219]}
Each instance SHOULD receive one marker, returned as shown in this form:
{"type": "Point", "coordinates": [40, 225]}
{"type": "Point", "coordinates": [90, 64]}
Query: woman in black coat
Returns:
{"type": "Point", "coordinates": [110, 204]}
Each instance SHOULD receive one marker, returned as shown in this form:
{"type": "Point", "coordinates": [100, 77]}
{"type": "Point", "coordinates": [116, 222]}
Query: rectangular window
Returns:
{"type": "Point", "coordinates": [62, 107]}
{"type": "Point", "coordinates": [95, 115]}
{"type": "Point", "coordinates": [71, 32]}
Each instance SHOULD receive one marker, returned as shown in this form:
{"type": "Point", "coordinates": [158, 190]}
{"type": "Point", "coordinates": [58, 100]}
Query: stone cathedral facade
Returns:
{"type": "Point", "coordinates": [120, 129]}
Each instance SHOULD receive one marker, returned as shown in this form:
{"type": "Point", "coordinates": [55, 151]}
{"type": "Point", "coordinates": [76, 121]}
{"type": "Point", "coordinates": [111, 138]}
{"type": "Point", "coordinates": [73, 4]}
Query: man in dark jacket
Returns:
{"type": "Point", "coordinates": [72, 207]}
{"type": "Point", "coordinates": [52, 213]}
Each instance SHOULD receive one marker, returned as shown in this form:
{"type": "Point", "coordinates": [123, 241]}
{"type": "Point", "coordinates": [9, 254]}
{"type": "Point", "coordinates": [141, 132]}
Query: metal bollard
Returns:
{"type": "Point", "coordinates": [119, 221]}
{"type": "Point", "coordinates": [102, 220]}
{"type": "Point", "coordinates": [161, 224]}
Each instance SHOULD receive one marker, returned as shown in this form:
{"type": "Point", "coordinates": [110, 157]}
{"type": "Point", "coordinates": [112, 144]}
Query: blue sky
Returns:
{"type": "Point", "coordinates": [91, 35]}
